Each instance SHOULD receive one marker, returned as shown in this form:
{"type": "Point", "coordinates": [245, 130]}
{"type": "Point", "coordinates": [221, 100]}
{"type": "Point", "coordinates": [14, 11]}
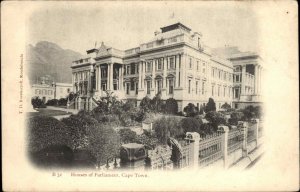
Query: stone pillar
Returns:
{"type": "Point", "coordinates": [256, 124]}
{"type": "Point", "coordinates": [256, 79]}
{"type": "Point", "coordinates": [224, 130]}
{"type": "Point", "coordinates": [164, 83]}
{"type": "Point", "coordinates": [121, 78]}
{"type": "Point", "coordinates": [140, 75]}
{"type": "Point", "coordinates": [153, 77]}
{"type": "Point", "coordinates": [259, 80]}
{"type": "Point", "coordinates": [243, 126]}
{"type": "Point", "coordinates": [194, 139]}
{"type": "Point", "coordinates": [99, 79]}
{"type": "Point", "coordinates": [243, 79]}
{"type": "Point", "coordinates": [177, 71]}
{"type": "Point", "coordinates": [110, 77]}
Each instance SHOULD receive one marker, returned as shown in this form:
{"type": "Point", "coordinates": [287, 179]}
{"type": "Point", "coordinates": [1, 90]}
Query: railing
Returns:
{"type": "Point", "coordinates": [251, 134]}
{"type": "Point", "coordinates": [235, 140]}
{"type": "Point", "coordinates": [210, 149]}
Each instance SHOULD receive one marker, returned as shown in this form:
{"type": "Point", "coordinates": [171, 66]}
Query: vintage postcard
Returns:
{"type": "Point", "coordinates": [150, 95]}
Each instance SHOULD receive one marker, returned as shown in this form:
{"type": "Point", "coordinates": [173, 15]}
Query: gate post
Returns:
{"type": "Point", "coordinates": [194, 137]}
{"type": "Point", "coordinates": [256, 122]}
{"type": "Point", "coordinates": [224, 130]}
{"type": "Point", "coordinates": [243, 126]}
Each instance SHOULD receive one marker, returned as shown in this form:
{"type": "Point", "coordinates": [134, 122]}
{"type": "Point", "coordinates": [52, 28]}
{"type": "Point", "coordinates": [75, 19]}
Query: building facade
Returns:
{"type": "Point", "coordinates": [46, 89]}
{"type": "Point", "coordinates": [175, 63]}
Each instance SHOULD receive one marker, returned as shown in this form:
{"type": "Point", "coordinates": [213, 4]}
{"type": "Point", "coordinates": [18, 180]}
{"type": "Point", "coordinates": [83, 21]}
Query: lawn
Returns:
{"type": "Point", "coordinates": [46, 112]}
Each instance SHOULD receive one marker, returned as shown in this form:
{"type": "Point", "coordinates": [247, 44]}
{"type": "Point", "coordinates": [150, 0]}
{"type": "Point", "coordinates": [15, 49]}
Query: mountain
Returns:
{"type": "Point", "coordinates": [49, 59]}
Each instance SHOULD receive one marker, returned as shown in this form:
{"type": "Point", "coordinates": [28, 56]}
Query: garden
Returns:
{"type": "Point", "coordinates": [91, 139]}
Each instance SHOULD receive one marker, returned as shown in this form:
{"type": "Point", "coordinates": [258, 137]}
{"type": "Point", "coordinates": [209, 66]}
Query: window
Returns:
{"type": "Point", "coordinates": [171, 66]}
{"type": "Point", "coordinates": [224, 75]}
{"type": "Point", "coordinates": [213, 72]}
{"type": "Point", "coordinates": [196, 87]}
{"type": "Point", "coordinates": [104, 87]}
{"type": "Point", "coordinates": [203, 86]}
{"type": "Point", "coordinates": [136, 88]}
{"type": "Point", "coordinates": [127, 88]}
{"type": "Point", "coordinates": [229, 91]}
{"type": "Point", "coordinates": [189, 88]}
{"type": "Point", "coordinates": [212, 90]}
{"type": "Point", "coordinates": [49, 92]}
{"type": "Point", "coordinates": [37, 91]}
{"type": "Point", "coordinates": [203, 67]}
{"type": "Point", "coordinates": [128, 69]}
{"type": "Point", "coordinates": [159, 86]}
{"type": "Point", "coordinates": [104, 73]}
{"type": "Point", "coordinates": [132, 85]}
{"type": "Point", "coordinates": [191, 64]}
{"type": "Point", "coordinates": [148, 87]}
{"type": "Point", "coordinates": [171, 86]}
{"type": "Point", "coordinates": [197, 65]}
{"type": "Point", "coordinates": [218, 90]}
{"type": "Point", "coordinates": [219, 74]}
{"type": "Point", "coordinates": [115, 86]}
{"type": "Point", "coordinates": [224, 91]}
{"type": "Point", "coordinates": [148, 66]}
{"type": "Point", "coordinates": [237, 78]}
{"type": "Point", "coordinates": [159, 64]}
{"type": "Point", "coordinates": [132, 67]}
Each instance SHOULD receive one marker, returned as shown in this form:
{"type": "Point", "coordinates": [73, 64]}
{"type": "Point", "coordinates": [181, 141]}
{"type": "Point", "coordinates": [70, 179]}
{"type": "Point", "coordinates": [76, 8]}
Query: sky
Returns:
{"type": "Point", "coordinates": [124, 25]}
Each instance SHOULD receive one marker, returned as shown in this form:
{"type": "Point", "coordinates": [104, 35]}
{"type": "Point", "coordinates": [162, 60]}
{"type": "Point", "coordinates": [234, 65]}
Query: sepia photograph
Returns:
{"type": "Point", "coordinates": [143, 91]}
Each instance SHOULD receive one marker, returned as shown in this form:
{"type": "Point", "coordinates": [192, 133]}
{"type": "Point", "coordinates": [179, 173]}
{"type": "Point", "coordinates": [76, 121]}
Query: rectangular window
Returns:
{"type": "Point", "coordinates": [224, 91]}
{"type": "Point", "coordinates": [191, 64]}
{"type": "Point", "coordinates": [196, 87]}
{"type": "Point", "coordinates": [127, 88]}
{"type": "Point", "coordinates": [132, 85]}
{"type": "Point", "coordinates": [171, 86]}
{"type": "Point", "coordinates": [203, 86]}
{"type": "Point", "coordinates": [159, 86]}
{"type": "Point", "coordinates": [218, 90]}
{"type": "Point", "coordinates": [148, 66]}
{"type": "Point", "coordinates": [132, 69]}
{"type": "Point", "coordinates": [212, 90]}
{"type": "Point", "coordinates": [189, 88]}
{"type": "Point", "coordinates": [159, 64]}
{"type": "Point", "coordinates": [171, 66]}
{"type": "Point", "coordinates": [148, 87]}
{"type": "Point", "coordinates": [136, 88]}
{"type": "Point", "coordinates": [104, 87]}
{"type": "Point", "coordinates": [219, 74]}
{"type": "Point", "coordinates": [197, 65]}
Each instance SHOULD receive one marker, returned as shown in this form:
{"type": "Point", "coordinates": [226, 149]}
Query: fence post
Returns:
{"type": "Point", "coordinates": [242, 125]}
{"type": "Point", "coordinates": [224, 130]}
{"type": "Point", "coordinates": [194, 137]}
{"type": "Point", "coordinates": [256, 121]}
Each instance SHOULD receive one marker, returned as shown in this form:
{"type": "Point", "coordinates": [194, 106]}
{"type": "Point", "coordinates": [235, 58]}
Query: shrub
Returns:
{"type": "Point", "coordinates": [190, 110]}
{"type": "Point", "coordinates": [157, 104]}
{"type": "Point", "coordinates": [207, 129]}
{"type": "Point", "coordinates": [171, 106]}
{"type": "Point", "coordinates": [166, 127]}
{"type": "Point", "coordinates": [210, 106]}
{"type": "Point", "coordinates": [226, 106]}
{"type": "Point", "coordinates": [37, 103]}
{"type": "Point", "coordinates": [52, 102]}
{"type": "Point", "coordinates": [62, 102]}
{"type": "Point", "coordinates": [235, 117]}
{"type": "Point", "coordinates": [215, 118]}
{"type": "Point", "coordinates": [47, 131]}
{"type": "Point", "coordinates": [146, 104]}
{"type": "Point", "coordinates": [190, 124]}
{"type": "Point", "coordinates": [127, 136]}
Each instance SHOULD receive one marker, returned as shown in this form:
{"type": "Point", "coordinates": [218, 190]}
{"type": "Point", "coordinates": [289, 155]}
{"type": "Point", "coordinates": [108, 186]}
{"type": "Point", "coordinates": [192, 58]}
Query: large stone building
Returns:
{"type": "Point", "coordinates": [175, 63]}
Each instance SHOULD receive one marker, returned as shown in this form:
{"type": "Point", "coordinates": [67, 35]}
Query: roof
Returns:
{"type": "Point", "coordinates": [132, 145]}
{"type": "Point", "coordinates": [174, 26]}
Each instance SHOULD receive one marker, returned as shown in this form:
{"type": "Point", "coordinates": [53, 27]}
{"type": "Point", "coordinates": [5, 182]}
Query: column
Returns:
{"type": "Point", "coordinates": [153, 75]}
{"type": "Point", "coordinates": [243, 79]}
{"type": "Point", "coordinates": [140, 75]}
{"type": "Point", "coordinates": [177, 71]}
{"type": "Point", "coordinates": [111, 76]}
{"type": "Point", "coordinates": [164, 73]}
{"type": "Point", "coordinates": [244, 129]}
{"type": "Point", "coordinates": [259, 80]}
{"type": "Point", "coordinates": [194, 142]}
{"type": "Point", "coordinates": [121, 78]}
{"type": "Point", "coordinates": [99, 78]}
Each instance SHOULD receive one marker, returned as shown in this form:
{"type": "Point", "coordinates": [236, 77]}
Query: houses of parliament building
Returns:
{"type": "Point", "coordinates": [176, 64]}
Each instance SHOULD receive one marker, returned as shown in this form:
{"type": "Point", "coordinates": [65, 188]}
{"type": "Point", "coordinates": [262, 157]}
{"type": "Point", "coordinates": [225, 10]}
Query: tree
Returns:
{"type": "Point", "coordinates": [249, 113]}
{"type": "Point", "coordinates": [62, 102]}
{"type": "Point", "coordinates": [190, 124]}
{"type": "Point", "coordinates": [104, 143]}
{"type": "Point", "coordinates": [226, 106]}
{"type": "Point", "coordinates": [190, 110]}
{"type": "Point", "coordinates": [166, 127]}
{"type": "Point", "coordinates": [44, 132]}
{"type": "Point", "coordinates": [127, 136]}
{"type": "Point", "coordinates": [37, 103]}
{"type": "Point", "coordinates": [235, 117]}
{"type": "Point", "coordinates": [157, 103]}
{"type": "Point", "coordinates": [79, 126]}
{"type": "Point", "coordinates": [146, 104]}
{"type": "Point", "coordinates": [210, 106]}
{"type": "Point", "coordinates": [215, 118]}
{"type": "Point", "coordinates": [52, 102]}
{"type": "Point", "coordinates": [171, 106]}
